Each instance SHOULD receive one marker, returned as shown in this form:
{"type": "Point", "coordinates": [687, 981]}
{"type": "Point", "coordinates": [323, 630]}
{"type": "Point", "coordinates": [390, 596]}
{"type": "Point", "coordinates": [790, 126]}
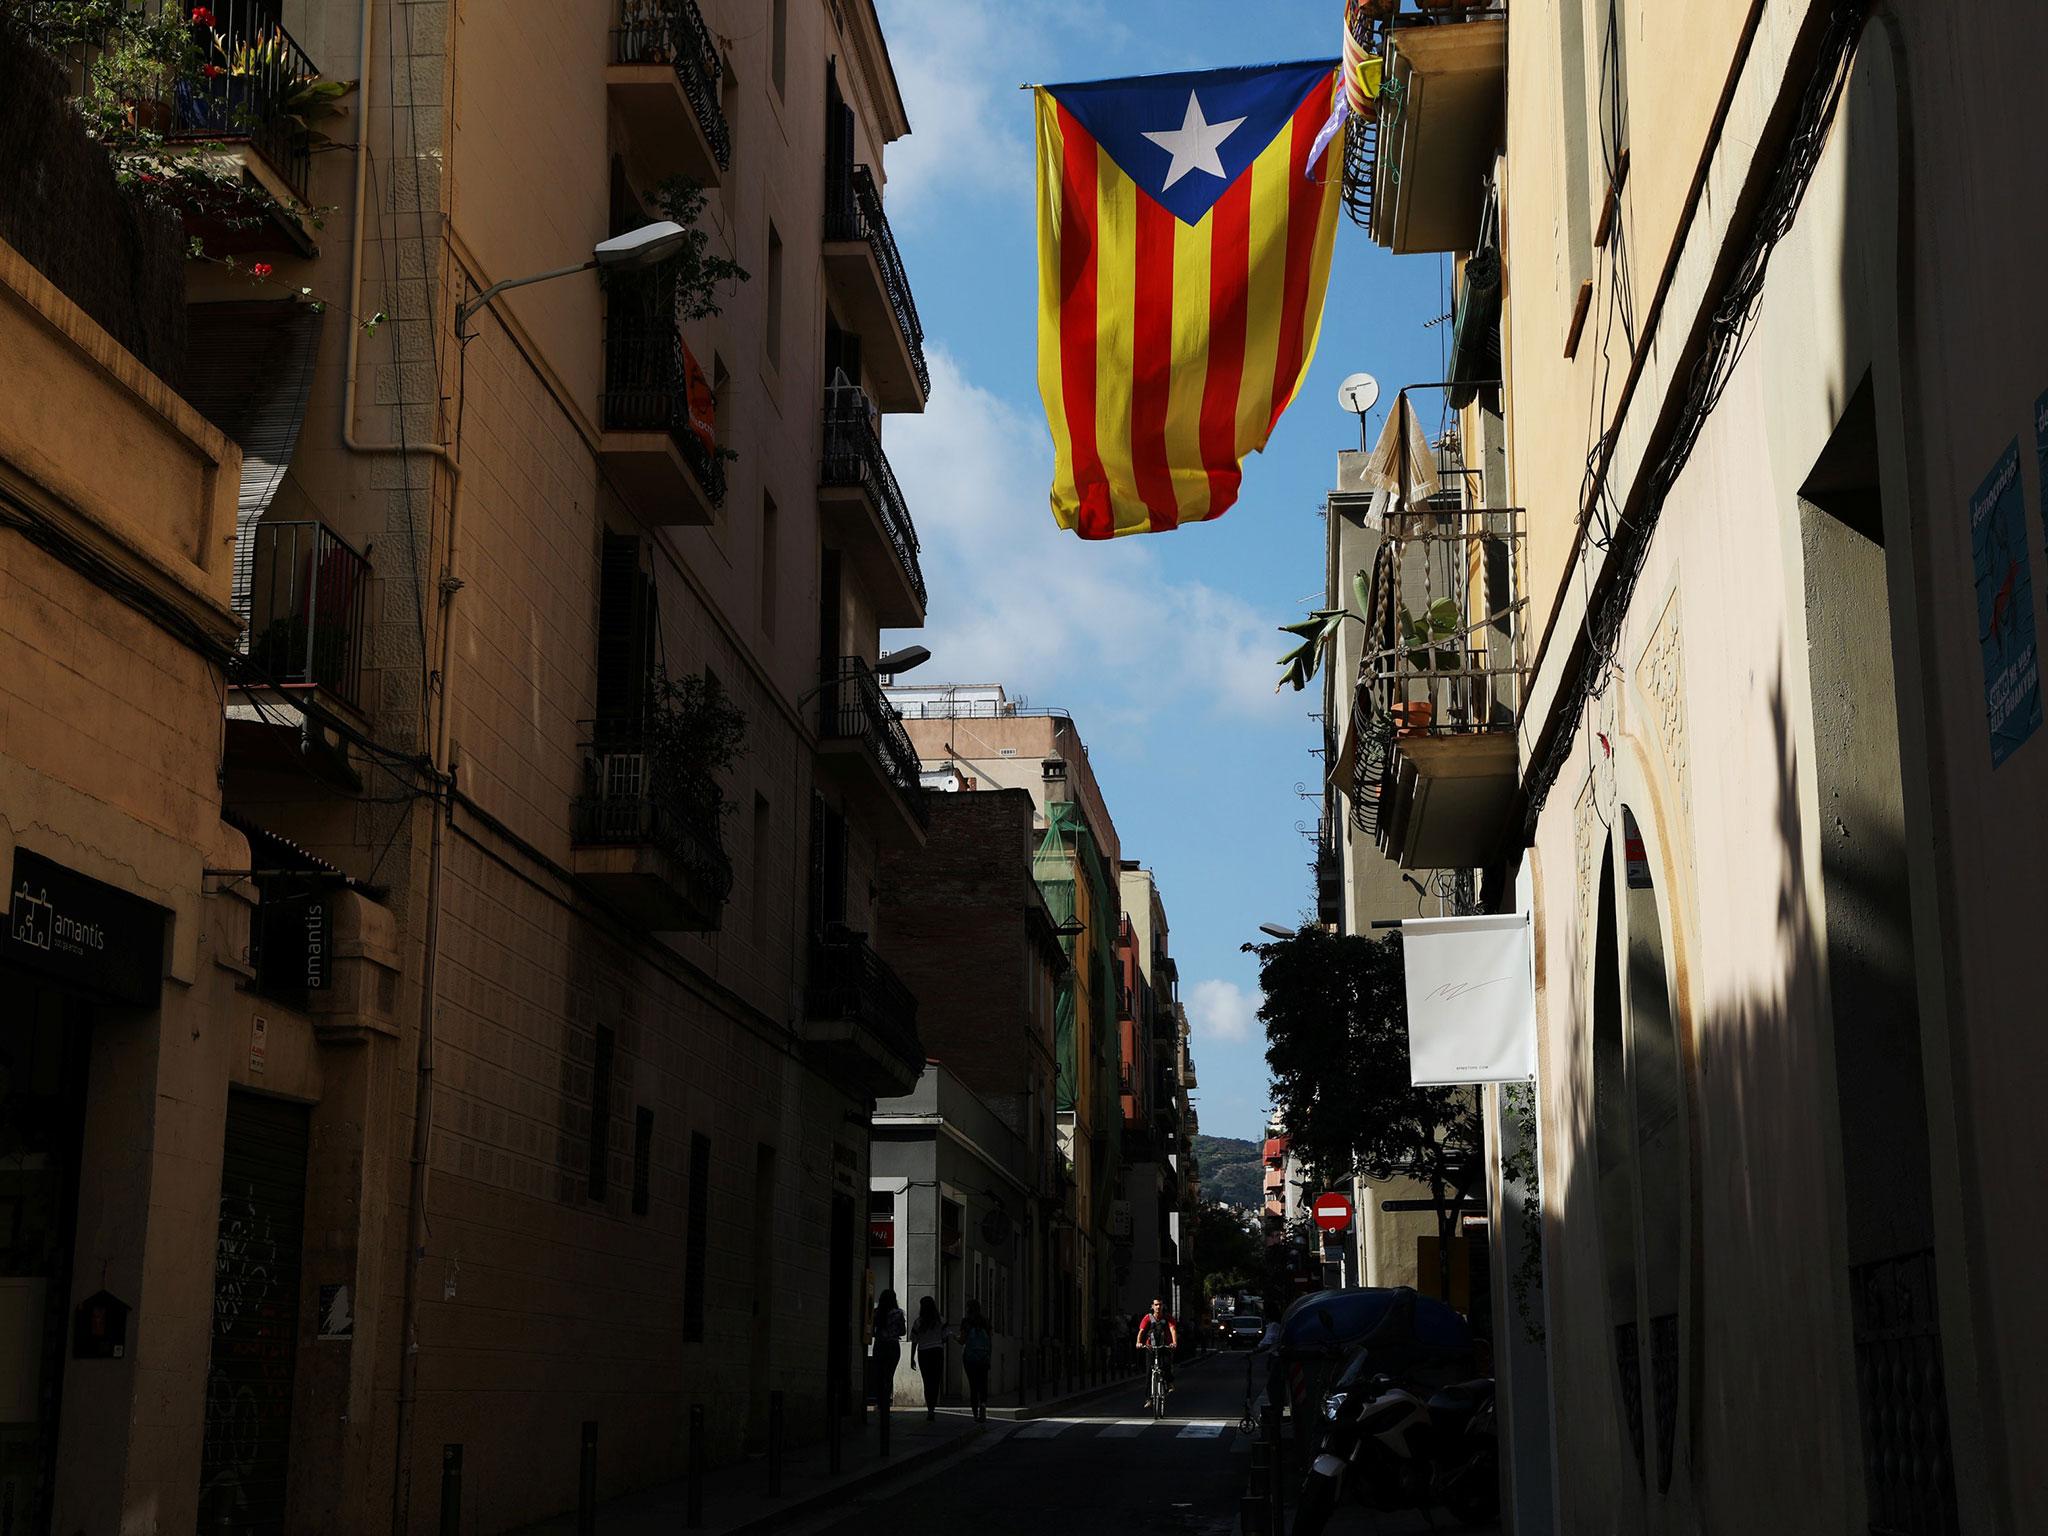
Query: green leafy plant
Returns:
{"type": "Point", "coordinates": [697, 272]}
{"type": "Point", "coordinates": [694, 733]}
{"type": "Point", "coordinates": [1317, 633]}
{"type": "Point", "coordinates": [1441, 620]}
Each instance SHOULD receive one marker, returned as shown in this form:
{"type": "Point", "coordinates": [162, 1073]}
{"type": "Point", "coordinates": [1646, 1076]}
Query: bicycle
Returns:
{"type": "Point", "coordinates": [1157, 1395]}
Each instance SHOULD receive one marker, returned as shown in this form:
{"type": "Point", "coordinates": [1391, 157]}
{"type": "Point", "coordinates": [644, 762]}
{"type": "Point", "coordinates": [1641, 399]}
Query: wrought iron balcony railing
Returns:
{"type": "Point", "coordinates": [673, 32]}
{"type": "Point", "coordinates": [852, 706]}
{"type": "Point", "coordinates": [305, 596]}
{"type": "Point", "coordinates": [853, 211]}
{"type": "Point", "coordinates": [849, 981]}
{"type": "Point", "coordinates": [251, 84]}
{"type": "Point", "coordinates": [1445, 649]}
{"type": "Point", "coordinates": [854, 457]}
{"type": "Point", "coordinates": [647, 377]}
{"type": "Point", "coordinates": [628, 800]}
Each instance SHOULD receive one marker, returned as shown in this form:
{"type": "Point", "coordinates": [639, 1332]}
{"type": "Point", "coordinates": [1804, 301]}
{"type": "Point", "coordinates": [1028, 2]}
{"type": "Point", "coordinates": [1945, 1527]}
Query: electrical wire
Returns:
{"type": "Point", "coordinates": [1729, 326]}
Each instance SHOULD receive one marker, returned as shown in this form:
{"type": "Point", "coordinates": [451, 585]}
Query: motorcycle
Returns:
{"type": "Point", "coordinates": [1393, 1445]}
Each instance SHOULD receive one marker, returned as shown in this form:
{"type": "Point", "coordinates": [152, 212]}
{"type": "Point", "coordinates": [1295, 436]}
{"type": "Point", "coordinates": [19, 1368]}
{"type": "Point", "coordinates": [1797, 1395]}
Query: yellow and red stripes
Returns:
{"type": "Point", "coordinates": [1167, 351]}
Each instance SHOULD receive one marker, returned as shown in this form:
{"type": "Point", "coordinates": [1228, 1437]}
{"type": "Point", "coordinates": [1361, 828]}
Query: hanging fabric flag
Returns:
{"type": "Point", "coordinates": [1184, 233]}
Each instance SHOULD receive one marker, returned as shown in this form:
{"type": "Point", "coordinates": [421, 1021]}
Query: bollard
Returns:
{"type": "Point", "coordinates": [1276, 1465]}
{"type": "Point", "coordinates": [586, 1482]}
{"type": "Point", "coordinates": [774, 1445]}
{"type": "Point", "coordinates": [451, 1490]}
{"type": "Point", "coordinates": [833, 1410]}
{"type": "Point", "coordinates": [693, 1516]}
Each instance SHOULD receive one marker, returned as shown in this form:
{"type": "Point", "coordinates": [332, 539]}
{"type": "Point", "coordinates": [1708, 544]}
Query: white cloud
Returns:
{"type": "Point", "coordinates": [959, 63]}
{"type": "Point", "coordinates": [1081, 624]}
{"type": "Point", "coordinates": [1221, 1010]}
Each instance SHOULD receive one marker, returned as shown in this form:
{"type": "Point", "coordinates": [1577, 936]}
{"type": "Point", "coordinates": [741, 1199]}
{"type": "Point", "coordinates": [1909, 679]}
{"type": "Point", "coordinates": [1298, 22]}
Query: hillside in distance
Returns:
{"type": "Point", "coordinates": [1231, 1170]}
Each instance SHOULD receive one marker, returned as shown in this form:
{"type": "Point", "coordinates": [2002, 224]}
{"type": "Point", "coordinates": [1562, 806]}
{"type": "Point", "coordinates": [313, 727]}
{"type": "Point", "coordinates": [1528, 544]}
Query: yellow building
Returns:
{"type": "Point", "coordinates": [1740, 700]}
{"type": "Point", "coordinates": [582, 1100]}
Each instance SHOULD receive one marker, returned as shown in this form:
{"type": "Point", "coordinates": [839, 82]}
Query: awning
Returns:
{"type": "Point", "coordinates": [249, 370]}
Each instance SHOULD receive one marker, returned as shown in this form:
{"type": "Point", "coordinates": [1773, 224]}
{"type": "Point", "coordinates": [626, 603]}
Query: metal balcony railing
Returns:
{"type": "Point", "coordinates": [673, 32]}
{"type": "Point", "coordinates": [249, 85]}
{"type": "Point", "coordinates": [305, 597]}
{"type": "Point", "coordinates": [647, 377]}
{"type": "Point", "coordinates": [851, 706]}
{"type": "Point", "coordinates": [1446, 635]}
{"type": "Point", "coordinates": [628, 800]}
{"type": "Point", "coordinates": [853, 456]}
{"type": "Point", "coordinates": [849, 981]}
{"type": "Point", "coordinates": [853, 211]}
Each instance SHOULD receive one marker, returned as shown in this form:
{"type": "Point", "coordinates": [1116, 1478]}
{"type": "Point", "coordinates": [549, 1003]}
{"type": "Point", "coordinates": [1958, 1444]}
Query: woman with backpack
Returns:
{"type": "Point", "coordinates": [888, 1345]}
{"type": "Point", "coordinates": [976, 1346]}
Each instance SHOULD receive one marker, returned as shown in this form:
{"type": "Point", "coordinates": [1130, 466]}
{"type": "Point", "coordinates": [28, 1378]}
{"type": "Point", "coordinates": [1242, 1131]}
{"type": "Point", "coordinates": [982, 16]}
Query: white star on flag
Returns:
{"type": "Point", "coordinates": [1193, 145]}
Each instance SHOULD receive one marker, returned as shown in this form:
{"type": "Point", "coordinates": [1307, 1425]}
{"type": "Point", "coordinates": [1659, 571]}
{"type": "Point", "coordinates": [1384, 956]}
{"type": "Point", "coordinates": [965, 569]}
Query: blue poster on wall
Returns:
{"type": "Point", "coordinates": [2005, 606]}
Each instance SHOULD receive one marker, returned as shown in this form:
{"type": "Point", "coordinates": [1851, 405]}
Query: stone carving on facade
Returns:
{"type": "Point", "coordinates": [1661, 675]}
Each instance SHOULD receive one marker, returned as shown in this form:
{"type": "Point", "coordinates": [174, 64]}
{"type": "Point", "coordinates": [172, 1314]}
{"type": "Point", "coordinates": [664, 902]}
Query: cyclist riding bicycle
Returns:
{"type": "Point", "coordinates": [1158, 1331]}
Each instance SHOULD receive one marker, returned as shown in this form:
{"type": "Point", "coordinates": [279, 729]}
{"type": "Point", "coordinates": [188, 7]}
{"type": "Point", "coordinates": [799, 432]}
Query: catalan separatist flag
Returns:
{"type": "Point", "coordinates": [1184, 232]}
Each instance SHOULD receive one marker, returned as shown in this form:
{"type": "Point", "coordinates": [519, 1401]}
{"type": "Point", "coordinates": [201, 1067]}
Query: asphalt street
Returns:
{"type": "Point", "coordinates": [1107, 1468]}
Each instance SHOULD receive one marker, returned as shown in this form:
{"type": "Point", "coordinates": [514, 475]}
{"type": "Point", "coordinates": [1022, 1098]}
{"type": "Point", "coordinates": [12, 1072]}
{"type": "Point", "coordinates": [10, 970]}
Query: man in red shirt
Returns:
{"type": "Point", "coordinates": [1158, 1328]}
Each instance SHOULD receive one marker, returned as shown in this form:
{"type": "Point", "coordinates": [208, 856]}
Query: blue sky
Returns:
{"type": "Point", "coordinates": [1162, 646]}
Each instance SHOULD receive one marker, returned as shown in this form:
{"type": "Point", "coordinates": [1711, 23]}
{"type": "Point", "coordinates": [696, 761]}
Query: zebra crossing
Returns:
{"type": "Point", "coordinates": [1124, 1429]}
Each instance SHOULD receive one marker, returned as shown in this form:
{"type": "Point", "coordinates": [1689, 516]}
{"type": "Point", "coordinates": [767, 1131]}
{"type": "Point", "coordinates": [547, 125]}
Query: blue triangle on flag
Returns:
{"type": "Point", "coordinates": [1211, 121]}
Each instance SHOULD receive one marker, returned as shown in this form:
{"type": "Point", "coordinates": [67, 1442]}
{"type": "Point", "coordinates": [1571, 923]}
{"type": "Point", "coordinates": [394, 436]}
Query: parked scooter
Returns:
{"type": "Point", "coordinates": [1395, 1446]}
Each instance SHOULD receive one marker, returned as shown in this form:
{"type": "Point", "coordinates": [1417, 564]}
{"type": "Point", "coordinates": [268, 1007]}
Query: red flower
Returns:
{"type": "Point", "coordinates": [260, 268]}
{"type": "Point", "coordinates": [146, 176]}
{"type": "Point", "coordinates": [211, 71]}
{"type": "Point", "coordinates": [201, 16]}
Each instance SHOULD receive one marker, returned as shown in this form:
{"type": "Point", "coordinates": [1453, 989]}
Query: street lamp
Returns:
{"type": "Point", "coordinates": [902, 661]}
{"type": "Point", "coordinates": [1276, 931]}
{"type": "Point", "coordinates": [633, 251]}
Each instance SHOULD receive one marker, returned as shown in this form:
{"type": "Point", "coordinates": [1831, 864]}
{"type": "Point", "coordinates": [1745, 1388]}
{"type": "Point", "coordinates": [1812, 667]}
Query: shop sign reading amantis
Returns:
{"type": "Point", "coordinates": [74, 929]}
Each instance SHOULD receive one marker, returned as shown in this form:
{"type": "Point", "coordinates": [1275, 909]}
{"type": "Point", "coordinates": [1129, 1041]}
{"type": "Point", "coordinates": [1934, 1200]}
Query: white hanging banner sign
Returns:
{"type": "Point", "coordinates": [1471, 999]}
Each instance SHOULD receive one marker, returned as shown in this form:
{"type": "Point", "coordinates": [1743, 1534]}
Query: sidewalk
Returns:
{"type": "Point", "coordinates": [736, 1497]}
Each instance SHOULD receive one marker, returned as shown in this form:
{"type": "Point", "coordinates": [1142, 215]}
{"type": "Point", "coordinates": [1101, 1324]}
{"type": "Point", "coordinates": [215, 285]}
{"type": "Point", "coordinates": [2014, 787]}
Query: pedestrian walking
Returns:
{"type": "Point", "coordinates": [888, 1348]}
{"type": "Point", "coordinates": [928, 1342]}
{"type": "Point", "coordinates": [977, 1345]}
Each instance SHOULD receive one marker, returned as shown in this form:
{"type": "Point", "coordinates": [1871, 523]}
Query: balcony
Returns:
{"type": "Point", "coordinates": [649, 847]}
{"type": "Point", "coordinates": [864, 272]}
{"type": "Point", "coordinates": [1329, 872]}
{"type": "Point", "coordinates": [1416, 175]}
{"type": "Point", "coordinates": [659, 441]}
{"type": "Point", "coordinates": [245, 109]}
{"type": "Point", "coordinates": [863, 748]}
{"type": "Point", "coordinates": [664, 78]}
{"type": "Point", "coordinates": [303, 596]}
{"type": "Point", "coordinates": [1442, 681]}
{"type": "Point", "coordinates": [864, 511]}
{"type": "Point", "coordinates": [860, 1021]}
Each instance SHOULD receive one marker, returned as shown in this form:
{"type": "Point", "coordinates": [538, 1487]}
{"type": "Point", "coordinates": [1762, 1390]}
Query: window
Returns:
{"type": "Point", "coordinates": [643, 1157]}
{"type": "Point", "coordinates": [625, 635]}
{"type": "Point", "coordinates": [778, 46]}
{"type": "Point", "coordinates": [1577, 191]}
{"type": "Point", "coordinates": [601, 1114]}
{"type": "Point", "coordinates": [761, 868]}
{"type": "Point", "coordinates": [774, 297]}
{"type": "Point", "coordinates": [721, 402]}
{"type": "Point", "coordinates": [697, 1234]}
{"type": "Point", "coordinates": [768, 560]}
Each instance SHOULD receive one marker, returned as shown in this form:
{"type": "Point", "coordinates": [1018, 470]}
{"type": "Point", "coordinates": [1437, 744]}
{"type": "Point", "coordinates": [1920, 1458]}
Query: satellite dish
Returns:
{"type": "Point", "coordinates": [995, 1228]}
{"type": "Point", "coordinates": [1358, 392]}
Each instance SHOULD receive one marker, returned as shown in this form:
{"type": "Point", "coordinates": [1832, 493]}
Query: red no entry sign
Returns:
{"type": "Point", "coordinates": [1333, 1212]}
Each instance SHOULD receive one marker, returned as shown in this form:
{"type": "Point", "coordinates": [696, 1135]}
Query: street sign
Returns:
{"type": "Point", "coordinates": [1333, 1212]}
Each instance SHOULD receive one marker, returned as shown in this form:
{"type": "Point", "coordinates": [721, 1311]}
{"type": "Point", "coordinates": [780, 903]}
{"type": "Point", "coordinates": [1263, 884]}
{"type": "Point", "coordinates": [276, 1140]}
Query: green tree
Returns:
{"type": "Point", "coordinates": [1336, 1017]}
{"type": "Point", "coordinates": [1229, 1256]}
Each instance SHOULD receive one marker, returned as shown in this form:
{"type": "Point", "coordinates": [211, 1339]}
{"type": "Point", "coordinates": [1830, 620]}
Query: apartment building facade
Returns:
{"type": "Point", "coordinates": [583, 1101]}
{"type": "Point", "coordinates": [975, 737]}
{"type": "Point", "coordinates": [969, 1199]}
{"type": "Point", "coordinates": [1755, 291]}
